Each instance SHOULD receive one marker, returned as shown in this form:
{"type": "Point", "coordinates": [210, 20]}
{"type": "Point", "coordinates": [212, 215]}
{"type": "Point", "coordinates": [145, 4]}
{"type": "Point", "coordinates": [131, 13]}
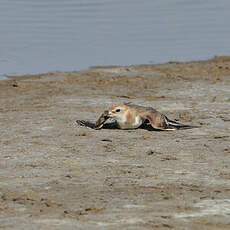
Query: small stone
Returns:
{"type": "Point", "coordinates": [150, 152]}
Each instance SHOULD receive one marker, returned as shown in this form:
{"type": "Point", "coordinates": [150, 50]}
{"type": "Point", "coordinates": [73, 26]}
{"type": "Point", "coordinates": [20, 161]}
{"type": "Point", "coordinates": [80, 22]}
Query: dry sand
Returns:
{"type": "Point", "coordinates": [55, 174]}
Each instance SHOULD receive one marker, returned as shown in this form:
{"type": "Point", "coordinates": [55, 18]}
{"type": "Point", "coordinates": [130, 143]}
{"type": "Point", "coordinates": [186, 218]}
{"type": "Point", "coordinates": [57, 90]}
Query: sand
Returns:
{"type": "Point", "coordinates": [55, 174]}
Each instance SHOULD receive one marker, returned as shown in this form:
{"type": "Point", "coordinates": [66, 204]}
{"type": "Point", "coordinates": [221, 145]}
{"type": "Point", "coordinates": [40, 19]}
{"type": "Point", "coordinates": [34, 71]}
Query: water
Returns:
{"type": "Point", "coordinates": [56, 35]}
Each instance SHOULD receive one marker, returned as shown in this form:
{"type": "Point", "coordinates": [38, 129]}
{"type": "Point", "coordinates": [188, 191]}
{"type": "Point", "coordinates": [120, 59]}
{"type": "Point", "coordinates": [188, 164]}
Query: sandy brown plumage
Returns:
{"type": "Point", "coordinates": [129, 116]}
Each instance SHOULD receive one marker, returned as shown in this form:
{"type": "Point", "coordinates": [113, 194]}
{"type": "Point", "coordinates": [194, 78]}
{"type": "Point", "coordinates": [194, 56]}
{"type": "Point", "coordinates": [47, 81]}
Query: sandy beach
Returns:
{"type": "Point", "coordinates": [55, 174]}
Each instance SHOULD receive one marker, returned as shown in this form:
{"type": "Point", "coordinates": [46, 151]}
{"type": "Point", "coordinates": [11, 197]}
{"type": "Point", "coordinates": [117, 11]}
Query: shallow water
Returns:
{"type": "Point", "coordinates": [56, 35]}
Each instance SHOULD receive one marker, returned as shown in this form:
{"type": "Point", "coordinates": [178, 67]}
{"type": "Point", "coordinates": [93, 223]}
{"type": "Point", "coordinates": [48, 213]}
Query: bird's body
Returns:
{"type": "Point", "coordinates": [129, 116]}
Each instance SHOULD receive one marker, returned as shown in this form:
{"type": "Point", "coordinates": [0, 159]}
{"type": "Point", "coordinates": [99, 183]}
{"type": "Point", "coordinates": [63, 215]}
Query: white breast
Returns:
{"type": "Point", "coordinates": [125, 125]}
{"type": "Point", "coordinates": [138, 122]}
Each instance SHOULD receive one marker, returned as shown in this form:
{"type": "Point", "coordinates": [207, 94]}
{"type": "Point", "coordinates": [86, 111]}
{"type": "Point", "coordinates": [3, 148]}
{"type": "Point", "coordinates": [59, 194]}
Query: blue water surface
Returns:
{"type": "Point", "coordinates": [56, 35]}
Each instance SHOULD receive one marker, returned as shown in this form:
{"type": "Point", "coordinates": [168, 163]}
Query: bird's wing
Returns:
{"type": "Point", "coordinates": [160, 121]}
{"type": "Point", "coordinates": [99, 123]}
{"type": "Point", "coordinates": [101, 120]}
{"type": "Point", "coordinates": [157, 120]}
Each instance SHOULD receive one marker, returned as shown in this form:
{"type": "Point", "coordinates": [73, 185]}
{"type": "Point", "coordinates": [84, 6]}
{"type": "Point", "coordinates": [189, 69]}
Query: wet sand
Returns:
{"type": "Point", "coordinates": [55, 174]}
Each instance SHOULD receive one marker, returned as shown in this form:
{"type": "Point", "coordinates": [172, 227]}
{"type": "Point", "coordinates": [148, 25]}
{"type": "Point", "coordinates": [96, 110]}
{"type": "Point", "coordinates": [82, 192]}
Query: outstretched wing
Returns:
{"type": "Point", "coordinates": [101, 120]}
{"type": "Point", "coordinates": [88, 124]}
{"type": "Point", "coordinates": [99, 123]}
{"type": "Point", "coordinates": [177, 125]}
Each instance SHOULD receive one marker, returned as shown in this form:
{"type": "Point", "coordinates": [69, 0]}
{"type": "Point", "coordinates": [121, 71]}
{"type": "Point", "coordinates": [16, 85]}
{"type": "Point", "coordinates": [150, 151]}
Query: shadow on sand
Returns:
{"type": "Point", "coordinates": [113, 125]}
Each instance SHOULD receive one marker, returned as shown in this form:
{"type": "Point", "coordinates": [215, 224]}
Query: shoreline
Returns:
{"type": "Point", "coordinates": [215, 59]}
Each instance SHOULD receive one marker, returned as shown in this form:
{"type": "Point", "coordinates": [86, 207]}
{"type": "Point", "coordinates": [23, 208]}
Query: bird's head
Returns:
{"type": "Point", "coordinates": [117, 111]}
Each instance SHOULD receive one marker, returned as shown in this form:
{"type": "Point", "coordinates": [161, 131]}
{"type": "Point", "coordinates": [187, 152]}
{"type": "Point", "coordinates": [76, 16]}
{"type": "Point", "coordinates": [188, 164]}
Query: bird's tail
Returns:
{"type": "Point", "coordinates": [173, 125]}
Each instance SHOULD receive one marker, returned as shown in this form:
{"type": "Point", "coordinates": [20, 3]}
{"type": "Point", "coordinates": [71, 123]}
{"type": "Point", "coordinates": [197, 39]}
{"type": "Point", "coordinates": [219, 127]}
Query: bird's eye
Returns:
{"type": "Point", "coordinates": [117, 110]}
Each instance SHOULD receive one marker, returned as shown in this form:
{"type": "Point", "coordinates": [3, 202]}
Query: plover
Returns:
{"type": "Point", "coordinates": [130, 116]}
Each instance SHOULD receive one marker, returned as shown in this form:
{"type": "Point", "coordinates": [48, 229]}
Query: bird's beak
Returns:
{"type": "Point", "coordinates": [109, 113]}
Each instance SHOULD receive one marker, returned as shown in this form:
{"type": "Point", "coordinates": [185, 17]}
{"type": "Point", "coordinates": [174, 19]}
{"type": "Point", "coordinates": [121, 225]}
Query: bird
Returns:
{"type": "Point", "coordinates": [130, 116]}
